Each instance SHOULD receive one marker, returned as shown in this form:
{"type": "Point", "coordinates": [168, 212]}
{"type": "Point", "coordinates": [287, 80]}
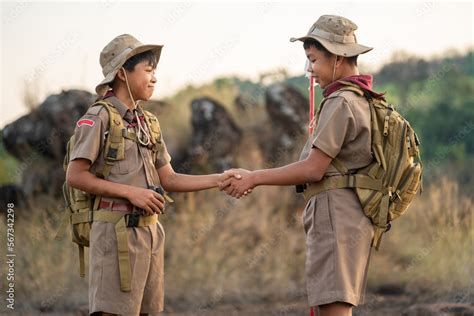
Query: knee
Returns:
{"type": "Point", "coordinates": [334, 309]}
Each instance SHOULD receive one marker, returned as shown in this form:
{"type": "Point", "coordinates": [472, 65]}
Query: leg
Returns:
{"type": "Point", "coordinates": [314, 311]}
{"type": "Point", "coordinates": [335, 309]}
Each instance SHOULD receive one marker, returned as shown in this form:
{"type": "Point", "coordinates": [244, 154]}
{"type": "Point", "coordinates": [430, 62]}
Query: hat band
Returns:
{"type": "Point", "coordinates": [116, 61]}
{"type": "Point", "coordinates": [334, 37]}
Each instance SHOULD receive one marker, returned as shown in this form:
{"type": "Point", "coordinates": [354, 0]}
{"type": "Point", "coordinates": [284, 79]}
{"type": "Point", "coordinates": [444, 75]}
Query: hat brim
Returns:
{"type": "Point", "coordinates": [346, 50]}
{"type": "Point", "coordinates": [103, 86]}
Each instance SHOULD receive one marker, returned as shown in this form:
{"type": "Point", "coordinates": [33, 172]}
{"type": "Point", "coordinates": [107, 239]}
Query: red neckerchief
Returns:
{"type": "Point", "coordinates": [108, 94]}
{"type": "Point", "coordinates": [363, 81]}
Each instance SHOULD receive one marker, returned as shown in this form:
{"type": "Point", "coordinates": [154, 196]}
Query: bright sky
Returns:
{"type": "Point", "coordinates": [50, 46]}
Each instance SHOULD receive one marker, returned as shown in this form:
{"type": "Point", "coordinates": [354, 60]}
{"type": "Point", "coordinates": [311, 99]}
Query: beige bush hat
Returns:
{"type": "Point", "coordinates": [336, 34]}
{"type": "Point", "coordinates": [116, 53]}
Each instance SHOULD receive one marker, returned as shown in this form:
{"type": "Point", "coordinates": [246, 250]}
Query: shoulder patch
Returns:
{"type": "Point", "coordinates": [85, 122]}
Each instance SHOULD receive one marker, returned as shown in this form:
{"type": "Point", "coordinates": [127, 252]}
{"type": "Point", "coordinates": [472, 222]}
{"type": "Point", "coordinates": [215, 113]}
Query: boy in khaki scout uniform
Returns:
{"type": "Point", "coordinates": [338, 234]}
{"type": "Point", "coordinates": [129, 70]}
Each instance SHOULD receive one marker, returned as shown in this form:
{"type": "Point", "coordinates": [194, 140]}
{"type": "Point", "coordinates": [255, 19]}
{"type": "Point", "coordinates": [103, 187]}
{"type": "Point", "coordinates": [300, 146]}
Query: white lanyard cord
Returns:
{"type": "Point", "coordinates": [141, 130]}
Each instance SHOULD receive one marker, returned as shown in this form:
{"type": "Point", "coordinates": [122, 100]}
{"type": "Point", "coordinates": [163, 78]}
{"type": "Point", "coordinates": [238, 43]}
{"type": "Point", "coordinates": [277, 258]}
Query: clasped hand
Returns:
{"type": "Point", "coordinates": [237, 182]}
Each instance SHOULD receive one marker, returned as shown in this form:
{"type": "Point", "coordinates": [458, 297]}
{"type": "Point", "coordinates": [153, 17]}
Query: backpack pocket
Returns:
{"type": "Point", "coordinates": [81, 233]}
{"type": "Point", "coordinates": [124, 166]}
{"type": "Point", "coordinates": [370, 201]}
{"type": "Point", "coordinates": [406, 191]}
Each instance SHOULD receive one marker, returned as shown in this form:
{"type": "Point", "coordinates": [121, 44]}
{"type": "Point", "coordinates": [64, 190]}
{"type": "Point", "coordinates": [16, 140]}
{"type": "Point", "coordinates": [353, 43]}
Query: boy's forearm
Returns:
{"type": "Point", "coordinates": [88, 182]}
{"type": "Point", "coordinates": [188, 183]}
{"type": "Point", "coordinates": [292, 174]}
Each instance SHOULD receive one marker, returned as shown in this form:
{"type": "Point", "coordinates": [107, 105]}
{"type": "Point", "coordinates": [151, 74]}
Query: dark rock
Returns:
{"type": "Point", "coordinates": [46, 130]}
{"type": "Point", "coordinates": [287, 109]}
{"type": "Point", "coordinates": [39, 140]}
{"type": "Point", "coordinates": [11, 193]}
{"type": "Point", "coordinates": [215, 138]}
{"type": "Point", "coordinates": [244, 104]}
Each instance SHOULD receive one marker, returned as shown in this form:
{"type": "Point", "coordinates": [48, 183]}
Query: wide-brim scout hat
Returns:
{"type": "Point", "coordinates": [336, 34]}
{"type": "Point", "coordinates": [116, 53]}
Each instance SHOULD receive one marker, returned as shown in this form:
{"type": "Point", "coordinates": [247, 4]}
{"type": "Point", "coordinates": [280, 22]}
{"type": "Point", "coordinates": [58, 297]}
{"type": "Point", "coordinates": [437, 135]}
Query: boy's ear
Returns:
{"type": "Point", "coordinates": [121, 74]}
{"type": "Point", "coordinates": [339, 60]}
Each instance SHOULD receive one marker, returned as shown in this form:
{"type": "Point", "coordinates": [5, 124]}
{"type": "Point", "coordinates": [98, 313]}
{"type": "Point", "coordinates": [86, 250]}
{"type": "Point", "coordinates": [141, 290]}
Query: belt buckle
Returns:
{"type": "Point", "coordinates": [300, 188]}
{"type": "Point", "coordinates": [132, 219]}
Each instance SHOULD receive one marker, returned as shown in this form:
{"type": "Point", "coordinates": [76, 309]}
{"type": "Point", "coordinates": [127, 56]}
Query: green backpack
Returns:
{"type": "Point", "coordinates": [82, 208]}
{"type": "Point", "coordinates": [387, 186]}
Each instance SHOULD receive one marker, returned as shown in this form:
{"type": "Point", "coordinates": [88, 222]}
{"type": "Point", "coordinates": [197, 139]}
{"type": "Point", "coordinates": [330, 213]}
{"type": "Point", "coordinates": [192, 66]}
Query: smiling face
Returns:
{"type": "Point", "coordinates": [142, 80]}
{"type": "Point", "coordinates": [321, 65]}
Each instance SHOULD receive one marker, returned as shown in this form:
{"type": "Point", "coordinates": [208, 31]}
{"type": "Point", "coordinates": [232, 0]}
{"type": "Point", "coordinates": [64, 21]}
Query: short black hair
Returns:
{"type": "Point", "coordinates": [312, 42]}
{"type": "Point", "coordinates": [134, 60]}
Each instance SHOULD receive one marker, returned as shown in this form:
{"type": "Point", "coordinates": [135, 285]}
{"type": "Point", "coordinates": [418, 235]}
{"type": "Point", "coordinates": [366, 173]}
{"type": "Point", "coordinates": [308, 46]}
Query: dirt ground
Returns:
{"type": "Point", "coordinates": [377, 305]}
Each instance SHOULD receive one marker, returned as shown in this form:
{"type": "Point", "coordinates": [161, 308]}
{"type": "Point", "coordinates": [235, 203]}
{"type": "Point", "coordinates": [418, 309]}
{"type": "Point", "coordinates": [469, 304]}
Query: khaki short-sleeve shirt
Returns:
{"type": "Point", "coordinates": [343, 131]}
{"type": "Point", "coordinates": [90, 134]}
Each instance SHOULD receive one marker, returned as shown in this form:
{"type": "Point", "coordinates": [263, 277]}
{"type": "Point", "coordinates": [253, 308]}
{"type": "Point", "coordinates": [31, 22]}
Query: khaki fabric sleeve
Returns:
{"type": "Point", "coordinates": [336, 126]}
{"type": "Point", "coordinates": [163, 158]}
{"type": "Point", "coordinates": [89, 135]}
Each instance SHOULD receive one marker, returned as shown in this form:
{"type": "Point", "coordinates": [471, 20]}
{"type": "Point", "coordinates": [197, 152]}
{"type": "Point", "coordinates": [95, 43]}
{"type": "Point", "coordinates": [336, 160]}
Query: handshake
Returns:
{"type": "Point", "coordinates": [237, 182]}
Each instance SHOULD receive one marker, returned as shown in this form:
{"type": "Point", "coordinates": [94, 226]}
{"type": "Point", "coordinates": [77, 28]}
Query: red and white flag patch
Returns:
{"type": "Point", "coordinates": [85, 122]}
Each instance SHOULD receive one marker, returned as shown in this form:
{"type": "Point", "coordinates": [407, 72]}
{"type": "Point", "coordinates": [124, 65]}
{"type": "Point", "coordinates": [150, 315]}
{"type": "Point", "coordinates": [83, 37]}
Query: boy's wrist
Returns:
{"type": "Point", "coordinates": [255, 177]}
{"type": "Point", "coordinates": [216, 179]}
{"type": "Point", "coordinates": [126, 192]}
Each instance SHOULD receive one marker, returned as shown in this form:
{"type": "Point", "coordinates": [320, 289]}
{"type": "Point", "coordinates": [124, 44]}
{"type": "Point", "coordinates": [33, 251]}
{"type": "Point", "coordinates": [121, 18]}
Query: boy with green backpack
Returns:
{"type": "Point", "coordinates": [118, 168]}
{"type": "Point", "coordinates": [360, 169]}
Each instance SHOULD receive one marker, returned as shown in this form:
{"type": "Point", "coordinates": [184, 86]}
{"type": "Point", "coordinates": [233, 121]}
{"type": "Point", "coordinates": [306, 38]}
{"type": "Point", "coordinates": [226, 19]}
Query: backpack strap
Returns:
{"type": "Point", "coordinates": [359, 181]}
{"type": "Point", "coordinates": [339, 182]}
{"type": "Point", "coordinates": [114, 148]}
{"type": "Point", "coordinates": [340, 166]}
{"type": "Point", "coordinates": [382, 226]}
{"type": "Point", "coordinates": [66, 215]}
{"type": "Point", "coordinates": [154, 128]}
{"type": "Point", "coordinates": [119, 220]}
{"type": "Point", "coordinates": [349, 86]}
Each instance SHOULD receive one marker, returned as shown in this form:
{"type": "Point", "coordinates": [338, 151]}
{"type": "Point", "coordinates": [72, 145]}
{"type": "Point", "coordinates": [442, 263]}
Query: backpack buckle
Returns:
{"type": "Point", "coordinates": [300, 188]}
{"type": "Point", "coordinates": [132, 219]}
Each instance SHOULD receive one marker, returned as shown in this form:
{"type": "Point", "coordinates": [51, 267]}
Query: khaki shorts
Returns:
{"type": "Point", "coordinates": [338, 248]}
{"type": "Point", "coordinates": [146, 249]}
